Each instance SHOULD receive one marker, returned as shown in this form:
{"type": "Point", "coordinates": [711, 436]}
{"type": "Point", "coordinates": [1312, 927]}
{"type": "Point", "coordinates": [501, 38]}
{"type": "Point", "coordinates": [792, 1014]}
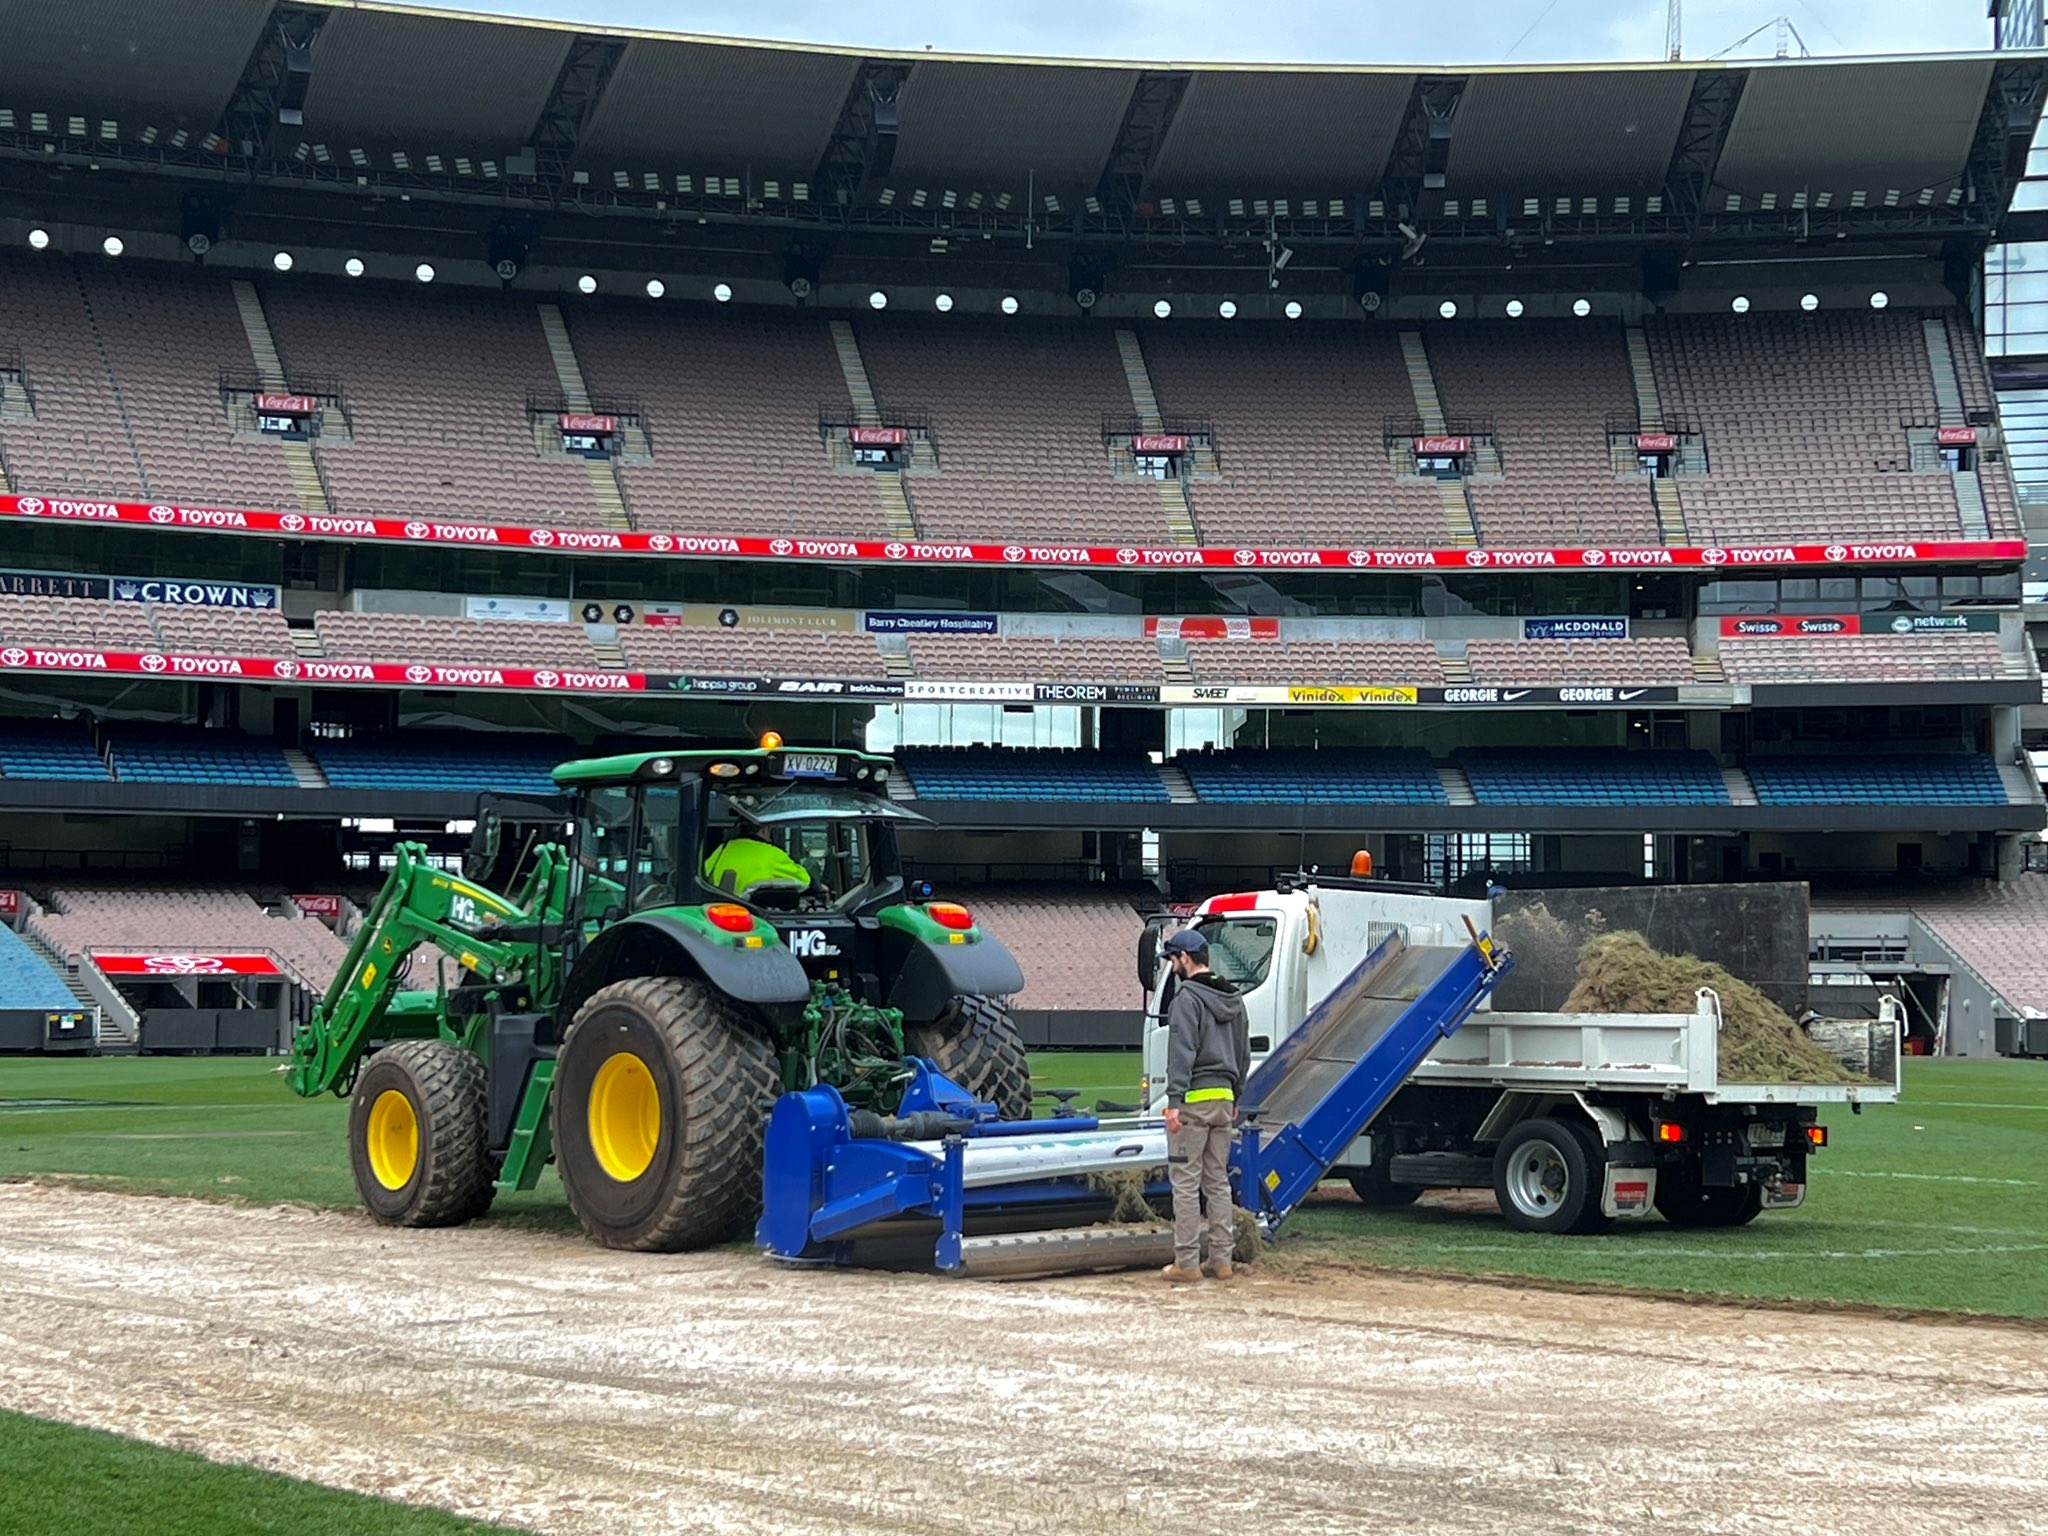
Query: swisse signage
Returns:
{"type": "Point", "coordinates": [438, 519]}
{"type": "Point", "coordinates": [586, 425]}
{"type": "Point", "coordinates": [286, 405]}
{"type": "Point", "coordinates": [1442, 447]}
{"type": "Point", "coordinates": [878, 437]}
{"type": "Point", "coordinates": [1159, 443]}
{"type": "Point", "coordinates": [1751, 625]}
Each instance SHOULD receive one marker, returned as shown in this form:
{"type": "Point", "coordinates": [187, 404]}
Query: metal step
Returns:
{"type": "Point", "coordinates": [1970, 513]}
{"type": "Point", "coordinates": [116, 1039]}
{"type": "Point", "coordinates": [1706, 668]}
{"type": "Point", "coordinates": [562, 353]}
{"type": "Point", "coordinates": [1649, 409]}
{"type": "Point", "coordinates": [1178, 788]}
{"type": "Point", "coordinates": [1941, 362]}
{"type": "Point", "coordinates": [604, 639]}
{"type": "Point", "coordinates": [1460, 526]}
{"type": "Point", "coordinates": [896, 508]}
{"type": "Point", "coordinates": [1173, 661]}
{"type": "Point", "coordinates": [866, 410]}
{"type": "Point", "coordinates": [1077, 1250]}
{"type": "Point", "coordinates": [1457, 788]}
{"type": "Point", "coordinates": [1740, 790]}
{"type": "Point", "coordinates": [1179, 510]}
{"type": "Point", "coordinates": [306, 642]}
{"type": "Point", "coordinates": [2021, 787]}
{"type": "Point", "coordinates": [1422, 382]}
{"type": "Point", "coordinates": [611, 495]}
{"type": "Point", "coordinates": [256, 326]}
{"type": "Point", "coordinates": [1143, 401]}
{"type": "Point", "coordinates": [1457, 670]}
{"type": "Point", "coordinates": [1670, 511]}
{"type": "Point", "coordinates": [1441, 1170]}
{"type": "Point", "coordinates": [305, 770]}
{"type": "Point", "coordinates": [896, 663]}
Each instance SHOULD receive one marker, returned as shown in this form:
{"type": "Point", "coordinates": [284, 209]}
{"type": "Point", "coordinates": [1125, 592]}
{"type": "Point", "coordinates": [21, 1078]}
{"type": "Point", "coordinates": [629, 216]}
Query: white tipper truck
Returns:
{"type": "Point", "coordinates": [1572, 1119]}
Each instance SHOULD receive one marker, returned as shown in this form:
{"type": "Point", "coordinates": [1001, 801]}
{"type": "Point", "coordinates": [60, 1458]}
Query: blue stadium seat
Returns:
{"type": "Point", "coordinates": [1315, 776]}
{"type": "Point", "coordinates": [502, 763]}
{"type": "Point", "coordinates": [1590, 776]}
{"type": "Point", "coordinates": [48, 749]}
{"type": "Point", "coordinates": [1950, 778]}
{"type": "Point", "coordinates": [26, 980]}
{"type": "Point", "coordinates": [1029, 773]}
{"type": "Point", "coordinates": [151, 754]}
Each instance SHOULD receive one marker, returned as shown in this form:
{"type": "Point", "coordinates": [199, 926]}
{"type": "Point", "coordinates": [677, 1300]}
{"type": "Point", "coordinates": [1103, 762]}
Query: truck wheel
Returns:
{"type": "Point", "coordinates": [1685, 1202]}
{"type": "Point", "coordinates": [1374, 1188]}
{"type": "Point", "coordinates": [418, 1133]}
{"type": "Point", "coordinates": [975, 1043]}
{"type": "Point", "coordinates": [1547, 1176]}
{"type": "Point", "coordinates": [658, 1110]}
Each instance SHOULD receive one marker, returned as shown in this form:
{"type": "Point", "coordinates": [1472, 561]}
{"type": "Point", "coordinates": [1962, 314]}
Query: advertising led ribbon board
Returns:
{"type": "Point", "coordinates": [166, 966]}
{"type": "Point", "coordinates": [444, 531]}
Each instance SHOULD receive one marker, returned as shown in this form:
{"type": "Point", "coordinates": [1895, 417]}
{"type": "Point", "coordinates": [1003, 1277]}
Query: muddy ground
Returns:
{"type": "Point", "coordinates": [533, 1379]}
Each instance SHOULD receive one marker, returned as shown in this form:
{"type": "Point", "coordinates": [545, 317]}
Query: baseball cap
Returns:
{"type": "Point", "coordinates": [1186, 941]}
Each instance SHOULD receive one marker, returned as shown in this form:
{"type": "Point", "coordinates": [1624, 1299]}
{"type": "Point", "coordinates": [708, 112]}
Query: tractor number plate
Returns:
{"type": "Point", "coordinates": [810, 765]}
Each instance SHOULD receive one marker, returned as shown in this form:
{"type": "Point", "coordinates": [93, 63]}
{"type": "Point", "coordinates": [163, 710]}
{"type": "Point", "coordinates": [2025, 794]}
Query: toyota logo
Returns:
{"type": "Point", "coordinates": [418, 674]}
{"type": "Point", "coordinates": [182, 965]}
{"type": "Point", "coordinates": [1245, 557]}
{"type": "Point", "coordinates": [1713, 557]}
{"type": "Point", "coordinates": [895, 551]}
{"type": "Point", "coordinates": [1476, 557]}
{"type": "Point", "coordinates": [1594, 556]}
{"type": "Point", "coordinates": [154, 663]}
{"type": "Point", "coordinates": [291, 522]}
{"type": "Point", "coordinates": [286, 669]}
{"type": "Point", "coordinates": [30, 506]}
{"type": "Point", "coordinates": [163, 514]}
{"type": "Point", "coordinates": [14, 656]}
{"type": "Point", "coordinates": [1013, 552]}
{"type": "Point", "coordinates": [1127, 557]}
{"type": "Point", "coordinates": [1359, 557]}
{"type": "Point", "coordinates": [416, 530]}
{"type": "Point", "coordinates": [540, 536]}
{"type": "Point", "coordinates": [780, 546]}
{"type": "Point", "coordinates": [1837, 551]}
{"type": "Point", "coordinates": [660, 542]}
{"type": "Point", "coordinates": [546, 679]}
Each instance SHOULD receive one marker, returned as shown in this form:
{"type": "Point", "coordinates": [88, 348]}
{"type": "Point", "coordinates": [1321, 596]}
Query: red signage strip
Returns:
{"type": "Point", "coordinates": [306, 525]}
{"type": "Point", "coordinates": [1439, 447]}
{"type": "Point", "coordinates": [1656, 442]}
{"type": "Point", "coordinates": [318, 906]}
{"type": "Point", "coordinates": [287, 405]}
{"type": "Point", "coordinates": [1155, 442]}
{"type": "Point", "coordinates": [10, 903]}
{"type": "Point", "coordinates": [1955, 437]}
{"type": "Point", "coordinates": [878, 437]}
{"type": "Point", "coordinates": [1781, 624]}
{"type": "Point", "coordinates": [570, 421]}
{"type": "Point", "coordinates": [186, 965]}
{"type": "Point", "coordinates": [269, 669]}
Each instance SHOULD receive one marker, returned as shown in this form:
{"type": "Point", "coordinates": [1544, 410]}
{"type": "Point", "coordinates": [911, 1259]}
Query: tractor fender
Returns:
{"type": "Point", "coordinates": [928, 976]}
{"type": "Point", "coordinates": [654, 944]}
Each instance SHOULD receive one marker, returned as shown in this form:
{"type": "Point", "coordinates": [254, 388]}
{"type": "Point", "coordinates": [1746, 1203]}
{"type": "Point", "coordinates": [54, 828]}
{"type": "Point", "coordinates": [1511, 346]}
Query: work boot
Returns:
{"type": "Point", "coordinates": [1175, 1274]}
{"type": "Point", "coordinates": [1218, 1271]}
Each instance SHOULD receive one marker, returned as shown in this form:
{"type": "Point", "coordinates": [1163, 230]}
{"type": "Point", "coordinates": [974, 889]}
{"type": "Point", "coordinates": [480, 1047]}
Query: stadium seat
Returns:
{"type": "Point", "coordinates": [496, 762]}
{"type": "Point", "coordinates": [145, 754]}
{"type": "Point", "coordinates": [1953, 778]}
{"type": "Point", "coordinates": [1029, 773]}
{"type": "Point", "coordinates": [1314, 776]}
{"type": "Point", "coordinates": [1591, 776]}
{"type": "Point", "coordinates": [49, 749]}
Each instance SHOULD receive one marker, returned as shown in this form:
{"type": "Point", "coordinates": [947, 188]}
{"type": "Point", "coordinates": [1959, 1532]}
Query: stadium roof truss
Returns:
{"type": "Point", "coordinates": [456, 109]}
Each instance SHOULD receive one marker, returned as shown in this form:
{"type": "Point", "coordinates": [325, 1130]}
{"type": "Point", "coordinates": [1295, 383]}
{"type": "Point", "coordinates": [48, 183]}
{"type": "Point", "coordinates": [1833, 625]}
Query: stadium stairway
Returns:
{"type": "Point", "coordinates": [308, 484]}
{"type": "Point", "coordinates": [1706, 665]}
{"type": "Point", "coordinates": [1650, 418]}
{"type": "Point", "coordinates": [115, 1037]}
{"type": "Point", "coordinates": [1175, 503]}
{"type": "Point", "coordinates": [1740, 790]}
{"type": "Point", "coordinates": [306, 642]}
{"type": "Point", "coordinates": [1178, 789]}
{"type": "Point", "coordinates": [603, 474]}
{"type": "Point", "coordinates": [898, 515]}
{"type": "Point", "coordinates": [305, 770]}
{"type": "Point", "coordinates": [1457, 787]}
{"type": "Point", "coordinates": [2021, 786]}
{"type": "Point", "coordinates": [1459, 527]}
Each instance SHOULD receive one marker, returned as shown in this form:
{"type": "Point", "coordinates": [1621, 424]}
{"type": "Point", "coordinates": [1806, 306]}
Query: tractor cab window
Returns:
{"type": "Point", "coordinates": [628, 848]}
{"type": "Point", "coordinates": [794, 849]}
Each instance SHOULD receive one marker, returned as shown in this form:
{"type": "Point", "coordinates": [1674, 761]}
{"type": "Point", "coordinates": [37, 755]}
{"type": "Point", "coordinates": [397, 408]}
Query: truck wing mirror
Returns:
{"type": "Point", "coordinates": [1148, 955]}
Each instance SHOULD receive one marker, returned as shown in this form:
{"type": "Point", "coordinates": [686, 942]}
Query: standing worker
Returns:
{"type": "Point", "coordinates": [1208, 1054]}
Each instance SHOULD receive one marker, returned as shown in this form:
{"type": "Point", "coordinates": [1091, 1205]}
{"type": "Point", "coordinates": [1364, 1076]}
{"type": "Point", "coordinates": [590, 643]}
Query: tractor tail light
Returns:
{"type": "Point", "coordinates": [1670, 1131]}
{"type": "Point", "coordinates": [950, 914]}
{"type": "Point", "coordinates": [731, 917]}
{"type": "Point", "coordinates": [1816, 1135]}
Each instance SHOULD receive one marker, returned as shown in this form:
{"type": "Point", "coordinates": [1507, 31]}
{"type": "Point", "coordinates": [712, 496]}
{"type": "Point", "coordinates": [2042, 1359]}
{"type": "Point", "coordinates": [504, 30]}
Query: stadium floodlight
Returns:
{"type": "Point", "coordinates": [878, 300]}
{"type": "Point", "coordinates": [39, 239]}
{"type": "Point", "coordinates": [586, 284]}
{"type": "Point", "coordinates": [1740, 303]}
{"type": "Point", "coordinates": [112, 245]}
{"type": "Point", "coordinates": [1227, 309]}
{"type": "Point", "coordinates": [1448, 309]}
{"type": "Point", "coordinates": [656, 287]}
{"type": "Point", "coordinates": [943, 303]}
{"type": "Point", "coordinates": [1879, 299]}
{"type": "Point", "coordinates": [353, 266]}
{"type": "Point", "coordinates": [1293, 310]}
{"type": "Point", "coordinates": [722, 293]}
{"type": "Point", "coordinates": [1009, 303]}
{"type": "Point", "coordinates": [424, 272]}
{"type": "Point", "coordinates": [1582, 307]}
{"type": "Point", "coordinates": [1514, 309]}
{"type": "Point", "coordinates": [282, 261]}
{"type": "Point", "coordinates": [1809, 302]}
{"type": "Point", "coordinates": [1162, 309]}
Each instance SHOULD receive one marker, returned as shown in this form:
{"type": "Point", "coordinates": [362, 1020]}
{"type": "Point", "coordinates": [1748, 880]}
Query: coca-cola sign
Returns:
{"type": "Point", "coordinates": [878, 437]}
{"type": "Point", "coordinates": [1159, 443]}
{"type": "Point", "coordinates": [571, 421]}
{"type": "Point", "coordinates": [10, 903]}
{"type": "Point", "coordinates": [1441, 447]}
{"type": "Point", "coordinates": [1656, 442]}
{"type": "Point", "coordinates": [318, 906]}
{"type": "Point", "coordinates": [286, 405]}
{"type": "Point", "coordinates": [1956, 437]}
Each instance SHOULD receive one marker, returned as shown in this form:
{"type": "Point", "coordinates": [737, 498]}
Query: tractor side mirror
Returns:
{"type": "Point", "coordinates": [480, 860]}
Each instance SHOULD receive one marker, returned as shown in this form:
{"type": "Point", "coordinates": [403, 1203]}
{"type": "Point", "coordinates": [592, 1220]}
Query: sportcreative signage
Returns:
{"type": "Point", "coordinates": [444, 529]}
{"type": "Point", "coordinates": [172, 967]}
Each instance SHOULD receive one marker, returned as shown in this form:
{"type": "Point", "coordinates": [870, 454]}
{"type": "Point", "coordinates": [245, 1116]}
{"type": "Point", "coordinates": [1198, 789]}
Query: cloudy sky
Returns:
{"type": "Point", "coordinates": [1349, 31]}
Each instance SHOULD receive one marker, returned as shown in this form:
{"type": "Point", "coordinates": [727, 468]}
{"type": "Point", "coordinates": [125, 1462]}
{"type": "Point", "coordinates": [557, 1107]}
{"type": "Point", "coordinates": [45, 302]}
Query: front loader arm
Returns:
{"type": "Point", "coordinates": [418, 905]}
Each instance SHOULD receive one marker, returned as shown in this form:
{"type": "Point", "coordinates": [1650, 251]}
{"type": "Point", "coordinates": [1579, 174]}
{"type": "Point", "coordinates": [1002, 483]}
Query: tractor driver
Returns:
{"type": "Point", "coordinates": [749, 870]}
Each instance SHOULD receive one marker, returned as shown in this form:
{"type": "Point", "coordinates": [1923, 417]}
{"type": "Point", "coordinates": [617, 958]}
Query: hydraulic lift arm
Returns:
{"type": "Point", "coordinates": [499, 941]}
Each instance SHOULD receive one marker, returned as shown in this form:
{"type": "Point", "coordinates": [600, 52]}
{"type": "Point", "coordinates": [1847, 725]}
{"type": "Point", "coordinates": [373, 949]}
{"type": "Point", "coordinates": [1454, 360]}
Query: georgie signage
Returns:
{"type": "Point", "coordinates": [571, 421]}
{"type": "Point", "coordinates": [878, 437]}
{"type": "Point", "coordinates": [170, 967]}
{"type": "Point", "coordinates": [286, 405]}
{"type": "Point", "coordinates": [1441, 447]}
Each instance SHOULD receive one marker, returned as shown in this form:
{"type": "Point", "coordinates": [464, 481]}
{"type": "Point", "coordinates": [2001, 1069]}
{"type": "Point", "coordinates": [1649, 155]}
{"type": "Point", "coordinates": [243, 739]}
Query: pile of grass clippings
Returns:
{"type": "Point", "coordinates": [1620, 973]}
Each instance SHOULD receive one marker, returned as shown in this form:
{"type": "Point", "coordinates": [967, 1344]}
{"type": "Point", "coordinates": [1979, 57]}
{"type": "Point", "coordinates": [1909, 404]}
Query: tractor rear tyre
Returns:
{"type": "Point", "coordinates": [1685, 1202]}
{"type": "Point", "coordinates": [1372, 1185]}
{"type": "Point", "coordinates": [660, 1098]}
{"type": "Point", "coordinates": [975, 1043]}
{"type": "Point", "coordinates": [417, 1136]}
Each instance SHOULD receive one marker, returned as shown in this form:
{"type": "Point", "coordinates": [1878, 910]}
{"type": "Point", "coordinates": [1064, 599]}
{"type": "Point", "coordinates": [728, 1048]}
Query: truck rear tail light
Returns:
{"type": "Point", "coordinates": [1670, 1131]}
{"type": "Point", "coordinates": [950, 914]}
{"type": "Point", "coordinates": [1816, 1135]}
{"type": "Point", "coordinates": [730, 917]}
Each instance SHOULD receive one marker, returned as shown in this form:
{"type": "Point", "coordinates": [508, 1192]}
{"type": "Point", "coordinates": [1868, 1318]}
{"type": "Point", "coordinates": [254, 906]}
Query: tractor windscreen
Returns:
{"type": "Point", "coordinates": [632, 846]}
{"type": "Point", "coordinates": [796, 848]}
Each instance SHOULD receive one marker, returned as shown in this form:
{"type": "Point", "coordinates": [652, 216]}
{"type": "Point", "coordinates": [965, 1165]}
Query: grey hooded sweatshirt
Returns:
{"type": "Point", "coordinates": [1208, 1038]}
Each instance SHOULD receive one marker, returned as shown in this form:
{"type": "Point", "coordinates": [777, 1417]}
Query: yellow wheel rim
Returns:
{"type": "Point", "coordinates": [625, 1117]}
{"type": "Point", "coordinates": [393, 1139]}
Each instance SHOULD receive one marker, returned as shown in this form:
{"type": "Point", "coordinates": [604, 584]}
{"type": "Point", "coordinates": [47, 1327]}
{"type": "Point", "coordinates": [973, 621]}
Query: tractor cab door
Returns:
{"type": "Point", "coordinates": [626, 849]}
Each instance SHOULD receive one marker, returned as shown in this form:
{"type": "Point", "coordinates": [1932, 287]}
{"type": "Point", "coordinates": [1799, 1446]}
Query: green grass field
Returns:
{"type": "Point", "coordinates": [1940, 1202]}
{"type": "Point", "coordinates": [60, 1479]}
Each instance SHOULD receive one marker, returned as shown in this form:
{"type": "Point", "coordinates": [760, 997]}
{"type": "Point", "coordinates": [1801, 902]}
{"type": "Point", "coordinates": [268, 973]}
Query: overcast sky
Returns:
{"type": "Point", "coordinates": [1340, 31]}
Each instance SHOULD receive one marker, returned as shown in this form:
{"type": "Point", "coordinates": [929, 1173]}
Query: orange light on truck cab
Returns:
{"type": "Point", "coordinates": [730, 916]}
{"type": "Point", "coordinates": [1361, 864]}
{"type": "Point", "coordinates": [770, 740]}
{"type": "Point", "coordinates": [949, 914]}
{"type": "Point", "coordinates": [1816, 1135]}
{"type": "Point", "coordinates": [1670, 1131]}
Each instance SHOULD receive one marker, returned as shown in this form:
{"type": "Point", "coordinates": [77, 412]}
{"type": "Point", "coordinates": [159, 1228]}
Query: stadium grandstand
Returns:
{"type": "Point", "coordinates": [1531, 476]}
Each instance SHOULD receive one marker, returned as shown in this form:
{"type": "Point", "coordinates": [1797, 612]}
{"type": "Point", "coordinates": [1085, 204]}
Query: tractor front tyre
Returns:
{"type": "Point", "coordinates": [975, 1043]}
{"type": "Point", "coordinates": [418, 1134]}
{"type": "Point", "coordinates": [660, 1099]}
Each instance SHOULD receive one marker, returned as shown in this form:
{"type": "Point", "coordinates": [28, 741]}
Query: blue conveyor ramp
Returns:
{"type": "Point", "coordinates": [943, 1184]}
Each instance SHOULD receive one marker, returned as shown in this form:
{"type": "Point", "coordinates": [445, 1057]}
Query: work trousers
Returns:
{"type": "Point", "coordinates": [1200, 1171]}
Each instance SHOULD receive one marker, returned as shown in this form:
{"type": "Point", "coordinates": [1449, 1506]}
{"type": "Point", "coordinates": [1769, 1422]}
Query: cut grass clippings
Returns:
{"type": "Point", "coordinates": [57, 1478]}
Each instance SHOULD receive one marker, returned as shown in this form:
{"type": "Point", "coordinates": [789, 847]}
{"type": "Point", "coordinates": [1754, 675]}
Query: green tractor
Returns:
{"type": "Point", "coordinates": [720, 927]}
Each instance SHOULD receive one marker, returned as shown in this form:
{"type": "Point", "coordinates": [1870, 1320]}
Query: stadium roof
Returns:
{"type": "Point", "coordinates": [610, 117]}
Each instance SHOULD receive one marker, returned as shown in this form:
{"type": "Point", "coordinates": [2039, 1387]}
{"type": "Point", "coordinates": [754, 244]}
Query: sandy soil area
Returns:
{"type": "Point", "coordinates": [537, 1380]}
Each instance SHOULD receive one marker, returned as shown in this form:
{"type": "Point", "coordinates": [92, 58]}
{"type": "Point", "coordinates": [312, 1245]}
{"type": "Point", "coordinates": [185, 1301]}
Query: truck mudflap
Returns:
{"type": "Point", "coordinates": [1629, 1191]}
